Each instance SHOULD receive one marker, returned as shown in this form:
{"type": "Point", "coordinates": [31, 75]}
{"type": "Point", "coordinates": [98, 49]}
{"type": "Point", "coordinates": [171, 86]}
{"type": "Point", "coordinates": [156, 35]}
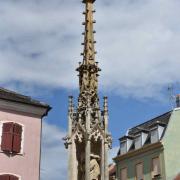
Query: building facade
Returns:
{"type": "Point", "coordinates": [20, 136]}
{"type": "Point", "coordinates": [151, 150]}
{"type": "Point", "coordinates": [88, 139]}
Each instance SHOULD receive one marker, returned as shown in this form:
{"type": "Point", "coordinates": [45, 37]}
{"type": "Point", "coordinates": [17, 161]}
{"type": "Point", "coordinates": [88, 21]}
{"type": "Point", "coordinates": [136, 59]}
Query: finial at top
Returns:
{"type": "Point", "coordinates": [84, 1]}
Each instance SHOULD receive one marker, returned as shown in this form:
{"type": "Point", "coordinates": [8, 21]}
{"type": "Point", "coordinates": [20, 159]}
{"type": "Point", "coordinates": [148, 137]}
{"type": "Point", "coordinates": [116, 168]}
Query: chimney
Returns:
{"type": "Point", "coordinates": [178, 101]}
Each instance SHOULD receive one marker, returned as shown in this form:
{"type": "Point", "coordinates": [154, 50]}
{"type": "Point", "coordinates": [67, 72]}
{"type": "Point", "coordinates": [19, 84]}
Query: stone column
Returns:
{"type": "Point", "coordinates": [106, 147]}
{"type": "Point", "coordinates": [71, 145]}
{"type": "Point", "coordinates": [102, 160]}
{"type": "Point", "coordinates": [87, 159]}
{"type": "Point", "coordinates": [72, 162]}
{"type": "Point", "coordinates": [88, 142]}
{"type": "Point", "coordinates": [106, 162]}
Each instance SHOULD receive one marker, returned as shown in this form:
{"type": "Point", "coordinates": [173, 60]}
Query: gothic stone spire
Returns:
{"type": "Point", "coordinates": [88, 69]}
{"type": "Point", "coordinates": [88, 139]}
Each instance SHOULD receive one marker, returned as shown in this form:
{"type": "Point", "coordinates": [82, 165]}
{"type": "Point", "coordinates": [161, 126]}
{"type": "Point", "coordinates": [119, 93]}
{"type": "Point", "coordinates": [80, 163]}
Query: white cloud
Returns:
{"type": "Point", "coordinates": [54, 155]}
{"type": "Point", "coordinates": [138, 44]}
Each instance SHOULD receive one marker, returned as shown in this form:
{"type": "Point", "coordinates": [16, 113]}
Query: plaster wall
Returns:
{"type": "Point", "coordinates": [26, 164]}
{"type": "Point", "coordinates": [146, 159]}
{"type": "Point", "coordinates": [171, 142]}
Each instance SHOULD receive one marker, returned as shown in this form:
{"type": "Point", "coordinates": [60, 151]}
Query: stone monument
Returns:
{"type": "Point", "coordinates": [88, 140]}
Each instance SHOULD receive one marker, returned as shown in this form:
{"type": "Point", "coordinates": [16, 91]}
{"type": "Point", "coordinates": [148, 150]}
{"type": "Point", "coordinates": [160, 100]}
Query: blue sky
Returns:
{"type": "Point", "coordinates": [138, 51]}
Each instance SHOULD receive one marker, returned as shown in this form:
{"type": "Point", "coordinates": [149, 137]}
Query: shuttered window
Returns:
{"type": "Point", "coordinates": [139, 171]}
{"type": "Point", "coordinates": [4, 177]}
{"type": "Point", "coordinates": [13, 177]}
{"type": "Point", "coordinates": [156, 171]}
{"type": "Point", "coordinates": [7, 137]}
{"type": "Point", "coordinates": [123, 174]}
{"type": "Point", "coordinates": [8, 177]}
{"type": "Point", "coordinates": [11, 137]}
{"type": "Point", "coordinates": [16, 148]}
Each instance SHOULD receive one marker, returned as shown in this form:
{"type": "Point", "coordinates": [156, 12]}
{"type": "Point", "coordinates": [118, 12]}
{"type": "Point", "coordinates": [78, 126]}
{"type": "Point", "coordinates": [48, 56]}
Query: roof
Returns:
{"type": "Point", "coordinates": [16, 97]}
{"type": "Point", "coordinates": [146, 126]}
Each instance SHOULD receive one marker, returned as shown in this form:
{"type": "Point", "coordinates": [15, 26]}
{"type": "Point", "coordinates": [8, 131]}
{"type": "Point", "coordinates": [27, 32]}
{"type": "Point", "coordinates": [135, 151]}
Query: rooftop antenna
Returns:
{"type": "Point", "coordinates": [171, 95]}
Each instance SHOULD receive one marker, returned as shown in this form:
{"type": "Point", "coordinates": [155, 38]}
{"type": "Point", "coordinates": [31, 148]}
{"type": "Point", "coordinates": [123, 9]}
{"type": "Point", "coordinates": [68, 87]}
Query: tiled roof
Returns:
{"type": "Point", "coordinates": [16, 97]}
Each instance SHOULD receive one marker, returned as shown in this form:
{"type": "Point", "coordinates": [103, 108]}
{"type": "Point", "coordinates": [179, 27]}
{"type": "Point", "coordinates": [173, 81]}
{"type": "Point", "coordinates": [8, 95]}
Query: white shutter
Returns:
{"type": "Point", "coordinates": [123, 175]}
{"type": "Point", "coordinates": [139, 171]}
{"type": "Point", "coordinates": [156, 167]}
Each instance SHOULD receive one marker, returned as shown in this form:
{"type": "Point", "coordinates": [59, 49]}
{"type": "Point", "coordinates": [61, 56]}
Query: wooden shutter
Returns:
{"type": "Point", "coordinates": [156, 167]}
{"type": "Point", "coordinates": [139, 171]}
{"type": "Point", "coordinates": [7, 137]}
{"type": "Point", "coordinates": [13, 177]}
{"type": "Point", "coordinates": [17, 135]}
{"type": "Point", "coordinates": [4, 177]}
{"type": "Point", "coordinates": [123, 175]}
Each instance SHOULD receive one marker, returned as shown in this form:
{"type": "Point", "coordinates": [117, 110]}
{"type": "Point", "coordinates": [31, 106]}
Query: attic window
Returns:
{"type": "Point", "coordinates": [140, 139]}
{"type": "Point", "coordinates": [156, 133]}
{"type": "Point", "coordinates": [123, 147]}
{"type": "Point", "coordinates": [154, 136]}
{"type": "Point", "coordinates": [126, 143]}
{"type": "Point", "coordinates": [138, 142]}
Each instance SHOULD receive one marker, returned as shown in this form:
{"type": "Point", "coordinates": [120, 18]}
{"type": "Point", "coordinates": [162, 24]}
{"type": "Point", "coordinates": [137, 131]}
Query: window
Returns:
{"type": "Point", "coordinates": [154, 136]}
{"type": "Point", "coordinates": [11, 137]}
{"type": "Point", "coordinates": [156, 167]}
{"type": "Point", "coordinates": [123, 147]}
{"type": "Point", "coordinates": [139, 171]}
{"type": "Point", "coordinates": [8, 177]}
{"type": "Point", "coordinates": [123, 174]}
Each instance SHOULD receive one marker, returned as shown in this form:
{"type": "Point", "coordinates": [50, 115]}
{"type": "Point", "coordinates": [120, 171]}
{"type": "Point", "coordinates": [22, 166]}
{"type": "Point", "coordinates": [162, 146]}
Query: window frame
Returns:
{"type": "Point", "coordinates": [126, 168]}
{"type": "Point", "coordinates": [11, 174]}
{"type": "Point", "coordinates": [22, 136]}
{"type": "Point", "coordinates": [160, 173]}
{"type": "Point", "coordinates": [139, 162]}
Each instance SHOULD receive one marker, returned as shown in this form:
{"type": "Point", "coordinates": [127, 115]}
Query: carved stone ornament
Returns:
{"type": "Point", "coordinates": [94, 170]}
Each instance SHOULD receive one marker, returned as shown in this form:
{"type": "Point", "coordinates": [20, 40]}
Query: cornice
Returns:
{"type": "Point", "coordinates": [24, 108]}
{"type": "Point", "coordinates": [144, 149]}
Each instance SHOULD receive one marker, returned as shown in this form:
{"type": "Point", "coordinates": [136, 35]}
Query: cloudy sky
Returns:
{"type": "Point", "coordinates": [138, 45]}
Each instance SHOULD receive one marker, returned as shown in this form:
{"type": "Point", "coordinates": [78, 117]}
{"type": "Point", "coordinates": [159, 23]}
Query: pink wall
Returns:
{"type": "Point", "coordinates": [25, 165]}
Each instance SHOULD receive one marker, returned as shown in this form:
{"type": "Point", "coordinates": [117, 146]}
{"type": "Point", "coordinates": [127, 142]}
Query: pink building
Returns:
{"type": "Point", "coordinates": [20, 136]}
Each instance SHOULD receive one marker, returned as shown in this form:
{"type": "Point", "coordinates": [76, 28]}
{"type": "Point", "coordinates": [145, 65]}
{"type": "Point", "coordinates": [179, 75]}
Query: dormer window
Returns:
{"type": "Point", "coordinates": [154, 135]}
{"type": "Point", "coordinates": [140, 139]}
{"type": "Point", "coordinates": [157, 132]}
{"type": "Point", "coordinates": [123, 147]}
{"type": "Point", "coordinates": [126, 143]}
{"type": "Point", "coordinates": [11, 137]}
